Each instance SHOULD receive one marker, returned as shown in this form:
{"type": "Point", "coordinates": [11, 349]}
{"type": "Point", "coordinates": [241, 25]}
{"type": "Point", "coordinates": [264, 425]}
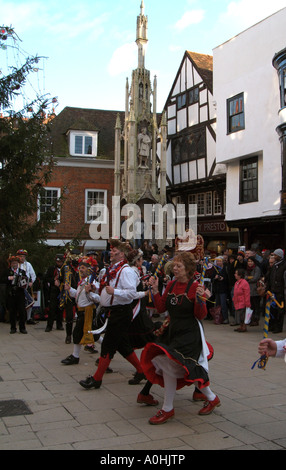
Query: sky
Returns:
{"type": "Point", "coordinates": [89, 48]}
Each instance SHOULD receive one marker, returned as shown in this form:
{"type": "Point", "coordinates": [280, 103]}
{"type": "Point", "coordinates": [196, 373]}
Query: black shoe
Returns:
{"type": "Point", "coordinates": [90, 382]}
{"type": "Point", "coordinates": [13, 331]}
{"type": "Point", "coordinates": [60, 327]}
{"type": "Point", "coordinates": [24, 331]}
{"type": "Point", "coordinates": [137, 378]}
{"type": "Point", "coordinates": [68, 339]}
{"type": "Point", "coordinates": [70, 360]}
{"type": "Point", "coordinates": [90, 349]}
{"type": "Point", "coordinates": [48, 329]}
{"type": "Point", "coordinates": [31, 322]}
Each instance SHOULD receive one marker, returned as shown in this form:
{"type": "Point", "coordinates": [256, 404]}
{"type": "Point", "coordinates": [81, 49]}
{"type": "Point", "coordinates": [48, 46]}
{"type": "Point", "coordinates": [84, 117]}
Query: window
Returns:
{"type": "Point", "coordinates": [217, 204]}
{"type": "Point", "coordinates": [203, 202]}
{"type": "Point", "coordinates": [181, 101]}
{"type": "Point", "coordinates": [83, 144]}
{"type": "Point", "coordinates": [249, 180]}
{"type": "Point", "coordinates": [96, 206]}
{"type": "Point", "coordinates": [209, 205]}
{"type": "Point", "coordinates": [235, 113]}
{"type": "Point", "coordinates": [49, 202]}
{"type": "Point", "coordinates": [189, 147]}
{"type": "Point", "coordinates": [194, 95]}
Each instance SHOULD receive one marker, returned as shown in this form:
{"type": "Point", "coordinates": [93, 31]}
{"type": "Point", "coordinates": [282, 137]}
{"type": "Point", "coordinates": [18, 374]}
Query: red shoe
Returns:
{"type": "Point", "coordinates": [161, 417]}
{"type": "Point", "coordinates": [199, 396]}
{"type": "Point", "coordinates": [147, 400]}
{"type": "Point", "coordinates": [209, 406]}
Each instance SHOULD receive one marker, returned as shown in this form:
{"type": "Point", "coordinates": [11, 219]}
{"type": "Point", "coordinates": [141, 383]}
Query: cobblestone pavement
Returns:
{"type": "Point", "coordinates": [54, 412]}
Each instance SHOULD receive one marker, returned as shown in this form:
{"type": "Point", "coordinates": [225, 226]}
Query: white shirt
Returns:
{"type": "Point", "coordinates": [28, 268]}
{"type": "Point", "coordinates": [83, 298]}
{"type": "Point", "coordinates": [125, 291]}
{"type": "Point", "coordinates": [280, 351]}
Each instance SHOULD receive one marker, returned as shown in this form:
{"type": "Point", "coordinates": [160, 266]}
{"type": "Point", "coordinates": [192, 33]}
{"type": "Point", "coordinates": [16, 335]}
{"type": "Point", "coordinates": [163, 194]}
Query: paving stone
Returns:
{"type": "Point", "coordinates": [13, 408]}
{"type": "Point", "coordinates": [63, 416]}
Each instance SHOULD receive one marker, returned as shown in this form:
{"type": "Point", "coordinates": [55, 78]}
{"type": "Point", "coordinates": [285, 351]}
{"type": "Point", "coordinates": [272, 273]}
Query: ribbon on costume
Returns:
{"type": "Point", "coordinates": [87, 337]}
{"type": "Point", "coordinates": [156, 273]}
{"type": "Point", "coordinates": [205, 265]}
{"type": "Point", "coordinates": [64, 295]}
{"type": "Point", "coordinates": [202, 278]}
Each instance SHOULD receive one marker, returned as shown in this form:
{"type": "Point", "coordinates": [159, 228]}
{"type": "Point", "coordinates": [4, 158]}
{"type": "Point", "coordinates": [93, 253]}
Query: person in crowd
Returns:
{"type": "Point", "coordinates": [105, 255]}
{"type": "Point", "coordinates": [265, 261]}
{"type": "Point", "coordinates": [69, 273]}
{"type": "Point", "coordinates": [220, 287]}
{"type": "Point", "coordinates": [117, 290]}
{"type": "Point", "coordinates": [153, 263]}
{"type": "Point", "coordinates": [52, 286]}
{"type": "Point", "coordinates": [240, 260]}
{"type": "Point", "coordinates": [154, 249]}
{"type": "Point", "coordinates": [180, 356]}
{"type": "Point", "coordinates": [253, 253]}
{"type": "Point", "coordinates": [26, 266]}
{"type": "Point", "coordinates": [86, 300]}
{"type": "Point", "coordinates": [252, 275]}
{"type": "Point", "coordinates": [146, 249]}
{"type": "Point", "coordinates": [241, 299]}
{"type": "Point", "coordinates": [93, 257]}
{"type": "Point", "coordinates": [276, 285]}
{"type": "Point", "coordinates": [16, 280]}
{"type": "Point", "coordinates": [230, 269]}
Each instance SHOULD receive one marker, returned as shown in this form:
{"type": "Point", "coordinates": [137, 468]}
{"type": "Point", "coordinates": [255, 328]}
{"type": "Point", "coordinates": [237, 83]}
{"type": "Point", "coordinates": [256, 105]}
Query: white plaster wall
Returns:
{"type": "Point", "coordinates": [169, 163]}
{"type": "Point", "coordinates": [172, 126]}
{"type": "Point", "coordinates": [193, 114]}
{"type": "Point", "coordinates": [181, 119]}
{"type": "Point", "coordinates": [190, 82]}
{"type": "Point", "coordinates": [172, 111]}
{"type": "Point", "coordinates": [211, 150]}
{"type": "Point", "coordinates": [244, 64]}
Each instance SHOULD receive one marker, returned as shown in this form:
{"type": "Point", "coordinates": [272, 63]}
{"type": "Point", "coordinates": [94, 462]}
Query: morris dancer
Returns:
{"type": "Point", "coordinates": [16, 295]}
{"type": "Point", "coordinates": [142, 328]}
{"type": "Point", "coordinates": [181, 358]}
{"type": "Point", "coordinates": [117, 290]}
{"type": "Point", "coordinates": [31, 275]}
{"type": "Point", "coordinates": [85, 300]}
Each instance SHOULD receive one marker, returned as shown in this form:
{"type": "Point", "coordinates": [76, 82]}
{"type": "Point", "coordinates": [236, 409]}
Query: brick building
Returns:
{"type": "Point", "coordinates": [83, 141]}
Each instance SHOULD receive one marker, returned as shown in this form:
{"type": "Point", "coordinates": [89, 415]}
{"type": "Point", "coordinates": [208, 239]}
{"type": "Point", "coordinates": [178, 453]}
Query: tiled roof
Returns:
{"type": "Point", "coordinates": [204, 65]}
{"type": "Point", "coordinates": [84, 119]}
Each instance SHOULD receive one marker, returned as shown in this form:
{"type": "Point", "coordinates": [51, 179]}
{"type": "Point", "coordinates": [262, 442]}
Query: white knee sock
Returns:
{"type": "Point", "coordinates": [170, 385]}
{"type": "Point", "coordinates": [208, 393]}
{"type": "Point", "coordinates": [29, 313]}
{"type": "Point", "coordinates": [76, 350]}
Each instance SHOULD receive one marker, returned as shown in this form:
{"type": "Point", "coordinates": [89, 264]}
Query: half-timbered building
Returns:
{"type": "Point", "coordinates": [193, 175]}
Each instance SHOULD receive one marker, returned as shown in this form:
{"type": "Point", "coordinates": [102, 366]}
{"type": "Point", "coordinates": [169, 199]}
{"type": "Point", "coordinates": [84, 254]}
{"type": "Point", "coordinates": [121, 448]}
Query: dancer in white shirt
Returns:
{"type": "Point", "coordinates": [117, 289]}
{"type": "Point", "coordinates": [85, 300]}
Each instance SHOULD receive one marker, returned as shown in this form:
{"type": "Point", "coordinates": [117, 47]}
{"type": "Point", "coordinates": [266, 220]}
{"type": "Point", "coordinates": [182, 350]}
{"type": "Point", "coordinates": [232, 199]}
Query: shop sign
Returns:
{"type": "Point", "coordinates": [212, 226]}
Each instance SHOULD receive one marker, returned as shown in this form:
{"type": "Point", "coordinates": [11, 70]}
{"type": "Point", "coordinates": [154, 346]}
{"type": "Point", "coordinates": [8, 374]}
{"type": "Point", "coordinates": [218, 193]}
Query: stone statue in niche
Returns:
{"type": "Point", "coordinates": [144, 146]}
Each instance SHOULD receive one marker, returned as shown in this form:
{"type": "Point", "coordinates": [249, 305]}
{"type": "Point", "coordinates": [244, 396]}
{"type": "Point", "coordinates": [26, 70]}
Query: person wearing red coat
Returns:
{"type": "Point", "coordinates": [241, 299]}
